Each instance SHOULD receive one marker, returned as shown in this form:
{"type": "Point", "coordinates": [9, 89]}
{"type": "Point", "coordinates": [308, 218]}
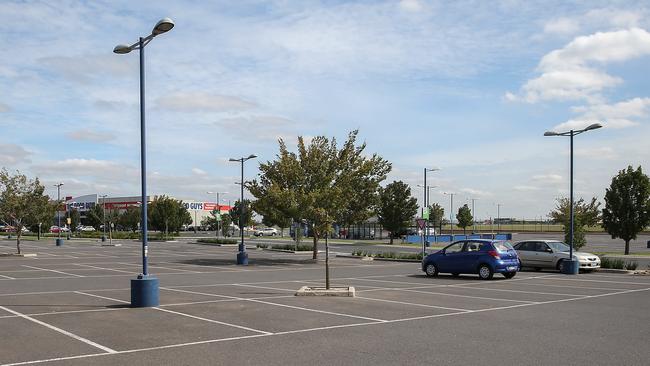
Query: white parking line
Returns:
{"type": "Point", "coordinates": [412, 304]}
{"type": "Point", "coordinates": [7, 277]}
{"type": "Point", "coordinates": [106, 269]}
{"type": "Point", "coordinates": [56, 329]}
{"type": "Point", "coordinates": [53, 270]}
{"type": "Point", "coordinates": [280, 305]}
{"type": "Point", "coordinates": [415, 290]}
{"type": "Point", "coordinates": [517, 291]}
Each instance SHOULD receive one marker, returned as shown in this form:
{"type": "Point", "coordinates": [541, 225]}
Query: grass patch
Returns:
{"type": "Point", "coordinates": [217, 241]}
{"type": "Point", "coordinates": [388, 255]}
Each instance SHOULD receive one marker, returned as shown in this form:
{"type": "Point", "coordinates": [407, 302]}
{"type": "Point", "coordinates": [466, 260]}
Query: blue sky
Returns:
{"type": "Point", "coordinates": [465, 86]}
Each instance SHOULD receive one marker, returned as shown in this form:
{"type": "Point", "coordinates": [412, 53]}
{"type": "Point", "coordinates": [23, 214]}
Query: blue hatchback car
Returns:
{"type": "Point", "coordinates": [484, 257]}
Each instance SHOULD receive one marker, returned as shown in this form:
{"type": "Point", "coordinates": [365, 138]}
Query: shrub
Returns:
{"type": "Point", "coordinates": [300, 248]}
{"type": "Point", "coordinates": [631, 266]}
{"type": "Point", "coordinates": [614, 263]}
{"type": "Point", "coordinates": [218, 241]}
{"type": "Point", "coordinates": [388, 255]}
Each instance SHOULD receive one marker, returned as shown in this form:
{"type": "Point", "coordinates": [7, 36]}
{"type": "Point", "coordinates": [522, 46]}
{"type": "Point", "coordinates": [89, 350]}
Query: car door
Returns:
{"type": "Point", "coordinates": [469, 257]}
{"type": "Point", "coordinates": [452, 258]}
{"type": "Point", "coordinates": [526, 253]}
{"type": "Point", "coordinates": [544, 255]}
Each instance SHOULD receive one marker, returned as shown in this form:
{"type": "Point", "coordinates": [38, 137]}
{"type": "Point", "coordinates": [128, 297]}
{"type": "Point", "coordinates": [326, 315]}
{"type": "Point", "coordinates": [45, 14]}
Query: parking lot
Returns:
{"type": "Point", "coordinates": [70, 306]}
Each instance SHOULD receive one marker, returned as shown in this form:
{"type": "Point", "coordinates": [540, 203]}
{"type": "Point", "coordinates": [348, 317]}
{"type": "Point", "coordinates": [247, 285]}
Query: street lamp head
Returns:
{"type": "Point", "coordinates": [251, 156]}
{"type": "Point", "coordinates": [551, 133]}
{"type": "Point", "coordinates": [122, 49]}
{"type": "Point", "coordinates": [233, 159]}
{"type": "Point", "coordinates": [594, 126]}
{"type": "Point", "coordinates": [163, 25]}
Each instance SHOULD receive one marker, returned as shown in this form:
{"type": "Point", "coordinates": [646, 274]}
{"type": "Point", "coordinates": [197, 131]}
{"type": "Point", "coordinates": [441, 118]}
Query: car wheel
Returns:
{"type": "Point", "coordinates": [509, 275]}
{"type": "Point", "coordinates": [485, 272]}
{"type": "Point", "coordinates": [537, 269]}
{"type": "Point", "coordinates": [431, 270]}
{"type": "Point", "coordinates": [560, 265]}
{"type": "Point", "coordinates": [455, 274]}
{"type": "Point", "coordinates": [273, 234]}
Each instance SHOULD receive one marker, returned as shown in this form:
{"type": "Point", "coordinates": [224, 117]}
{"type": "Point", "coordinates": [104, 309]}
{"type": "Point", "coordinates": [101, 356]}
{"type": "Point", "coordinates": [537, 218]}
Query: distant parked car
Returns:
{"type": "Point", "coordinates": [541, 253]}
{"type": "Point", "coordinates": [267, 231]}
{"type": "Point", "coordinates": [86, 229]}
{"type": "Point", "coordinates": [11, 229]}
{"type": "Point", "coordinates": [482, 257]}
{"type": "Point", "coordinates": [55, 229]}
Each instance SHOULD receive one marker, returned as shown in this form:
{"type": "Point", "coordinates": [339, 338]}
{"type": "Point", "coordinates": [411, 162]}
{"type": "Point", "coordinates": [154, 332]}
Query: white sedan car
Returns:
{"type": "Point", "coordinates": [267, 231]}
{"type": "Point", "coordinates": [540, 254]}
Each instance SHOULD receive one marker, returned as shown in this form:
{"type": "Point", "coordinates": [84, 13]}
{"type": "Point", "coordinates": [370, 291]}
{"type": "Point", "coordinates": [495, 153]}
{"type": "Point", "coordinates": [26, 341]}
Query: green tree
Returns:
{"type": "Point", "coordinates": [271, 216]}
{"type": "Point", "coordinates": [168, 215]}
{"type": "Point", "coordinates": [321, 183]}
{"type": "Point", "coordinates": [235, 213]}
{"type": "Point", "coordinates": [210, 222]}
{"type": "Point", "coordinates": [226, 221]}
{"type": "Point", "coordinates": [396, 208]}
{"type": "Point", "coordinates": [436, 215]}
{"type": "Point", "coordinates": [22, 201]}
{"type": "Point", "coordinates": [627, 205]}
{"type": "Point", "coordinates": [130, 218]}
{"type": "Point", "coordinates": [75, 219]}
{"type": "Point", "coordinates": [95, 216]}
{"type": "Point", "coordinates": [465, 218]}
{"type": "Point", "coordinates": [584, 214]}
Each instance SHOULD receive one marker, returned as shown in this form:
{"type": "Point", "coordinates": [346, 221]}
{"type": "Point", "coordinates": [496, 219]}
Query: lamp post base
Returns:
{"type": "Point", "coordinates": [59, 242]}
{"type": "Point", "coordinates": [570, 267]}
{"type": "Point", "coordinates": [242, 258]}
{"type": "Point", "coordinates": [145, 292]}
{"type": "Point", "coordinates": [103, 238]}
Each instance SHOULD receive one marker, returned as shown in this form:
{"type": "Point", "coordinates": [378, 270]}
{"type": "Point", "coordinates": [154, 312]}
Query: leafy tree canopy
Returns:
{"type": "Point", "coordinates": [396, 208]}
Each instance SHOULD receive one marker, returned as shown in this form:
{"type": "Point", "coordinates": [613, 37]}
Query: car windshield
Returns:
{"type": "Point", "coordinates": [502, 246]}
{"type": "Point", "coordinates": [558, 246]}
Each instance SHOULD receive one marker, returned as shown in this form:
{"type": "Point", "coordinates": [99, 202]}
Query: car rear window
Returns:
{"type": "Point", "coordinates": [502, 246]}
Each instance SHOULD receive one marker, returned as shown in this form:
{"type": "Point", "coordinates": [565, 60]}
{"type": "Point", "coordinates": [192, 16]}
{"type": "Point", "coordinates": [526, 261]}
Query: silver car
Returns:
{"type": "Point", "coordinates": [540, 254]}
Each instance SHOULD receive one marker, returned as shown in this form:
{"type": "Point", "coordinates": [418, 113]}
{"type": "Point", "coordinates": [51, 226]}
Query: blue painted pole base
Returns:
{"type": "Point", "coordinates": [103, 238]}
{"type": "Point", "coordinates": [145, 292]}
{"type": "Point", "coordinates": [242, 258]}
{"type": "Point", "coordinates": [59, 242]}
{"type": "Point", "coordinates": [570, 267]}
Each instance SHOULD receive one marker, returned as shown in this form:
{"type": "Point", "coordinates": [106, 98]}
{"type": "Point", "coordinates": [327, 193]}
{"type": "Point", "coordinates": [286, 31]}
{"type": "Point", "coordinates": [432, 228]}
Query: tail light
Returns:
{"type": "Point", "coordinates": [494, 253]}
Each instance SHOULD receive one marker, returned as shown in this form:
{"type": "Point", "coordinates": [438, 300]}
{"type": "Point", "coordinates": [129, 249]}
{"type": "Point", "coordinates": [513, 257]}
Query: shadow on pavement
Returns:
{"type": "Point", "coordinates": [251, 261]}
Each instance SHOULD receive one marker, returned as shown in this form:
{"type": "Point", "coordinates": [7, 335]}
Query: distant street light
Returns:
{"type": "Point", "coordinates": [242, 256]}
{"type": "Point", "coordinates": [473, 213]}
{"type": "Point", "coordinates": [59, 241]}
{"type": "Point", "coordinates": [425, 203]}
{"type": "Point", "coordinates": [451, 213]}
{"type": "Point", "coordinates": [572, 266]}
{"type": "Point", "coordinates": [144, 289]}
{"type": "Point", "coordinates": [218, 209]}
{"type": "Point", "coordinates": [103, 197]}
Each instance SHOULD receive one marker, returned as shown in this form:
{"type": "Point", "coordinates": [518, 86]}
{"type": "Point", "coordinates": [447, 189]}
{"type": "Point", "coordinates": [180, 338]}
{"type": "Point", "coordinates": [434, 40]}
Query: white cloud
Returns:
{"type": "Point", "coordinates": [411, 5]}
{"type": "Point", "coordinates": [198, 171]}
{"type": "Point", "coordinates": [598, 153]}
{"type": "Point", "coordinates": [84, 68]}
{"type": "Point", "coordinates": [203, 102]}
{"type": "Point", "coordinates": [618, 115]}
{"type": "Point", "coordinates": [562, 26]}
{"type": "Point", "coordinates": [525, 188]}
{"type": "Point", "coordinates": [569, 73]}
{"type": "Point", "coordinates": [548, 178]}
{"type": "Point", "coordinates": [80, 167]}
{"type": "Point", "coordinates": [92, 136]}
{"type": "Point", "coordinates": [475, 192]}
{"type": "Point", "coordinates": [12, 154]}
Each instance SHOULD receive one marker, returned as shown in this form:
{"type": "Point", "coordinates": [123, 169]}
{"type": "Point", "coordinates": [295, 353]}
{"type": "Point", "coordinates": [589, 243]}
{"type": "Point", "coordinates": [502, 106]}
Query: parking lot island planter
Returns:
{"type": "Point", "coordinates": [322, 291]}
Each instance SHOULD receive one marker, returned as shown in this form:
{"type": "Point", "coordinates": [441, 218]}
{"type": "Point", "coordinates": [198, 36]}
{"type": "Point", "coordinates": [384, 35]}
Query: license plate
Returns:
{"type": "Point", "coordinates": [512, 268]}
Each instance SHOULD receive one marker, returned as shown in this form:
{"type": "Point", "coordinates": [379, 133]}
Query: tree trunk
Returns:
{"type": "Point", "coordinates": [627, 247]}
{"type": "Point", "coordinates": [315, 256]}
{"type": "Point", "coordinates": [391, 238]}
{"type": "Point", "coordinates": [18, 235]}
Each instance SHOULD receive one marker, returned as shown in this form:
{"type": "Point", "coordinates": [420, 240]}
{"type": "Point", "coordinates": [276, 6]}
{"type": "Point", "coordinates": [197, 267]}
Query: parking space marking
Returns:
{"type": "Point", "coordinates": [580, 287]}
{"type": "Point", "coordinates": [7, 277]}
{"type": "Point", "coordinates": [415, 290]}
{"type": "Point", "coordinates": [280, 305]}
{"type": "Point", "coordinates": [413, 304]}
{"type": "Point", "coordinates": [181, 314]}
{"type": "Point", "coordinates": [53, 270]}
{"type": "Point", "coordinates": [558, 278]}
{"type": "Point", "coordinates": [517, 291]}
{"type": "Point", "coordinates": [59, 330]}
{"type": "Point", "coordinates": [106, 269]}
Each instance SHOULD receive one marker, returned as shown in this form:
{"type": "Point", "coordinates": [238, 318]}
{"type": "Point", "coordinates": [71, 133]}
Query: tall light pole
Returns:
{"type": "Point", "coordinates": [572, 265]}
{"type": "Point", "coordinates": [144, 289]}
{"type": "Point", "coordinates": [218, 208]}
{"type": "Point", "coordinates": [425, 202]}
{"type": "Point", "coordinates": [498, 217]}
{"type": "Point", "coordinates": [103, 197]}
{"type": "Point", "coordinates": [451, 213]}
{"type": "Point", "coordinates": [242, 256]}
{"type": "Point", "coordinates": [473, 213]}
{"type": "Point", "coordinates": [59, 241]}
